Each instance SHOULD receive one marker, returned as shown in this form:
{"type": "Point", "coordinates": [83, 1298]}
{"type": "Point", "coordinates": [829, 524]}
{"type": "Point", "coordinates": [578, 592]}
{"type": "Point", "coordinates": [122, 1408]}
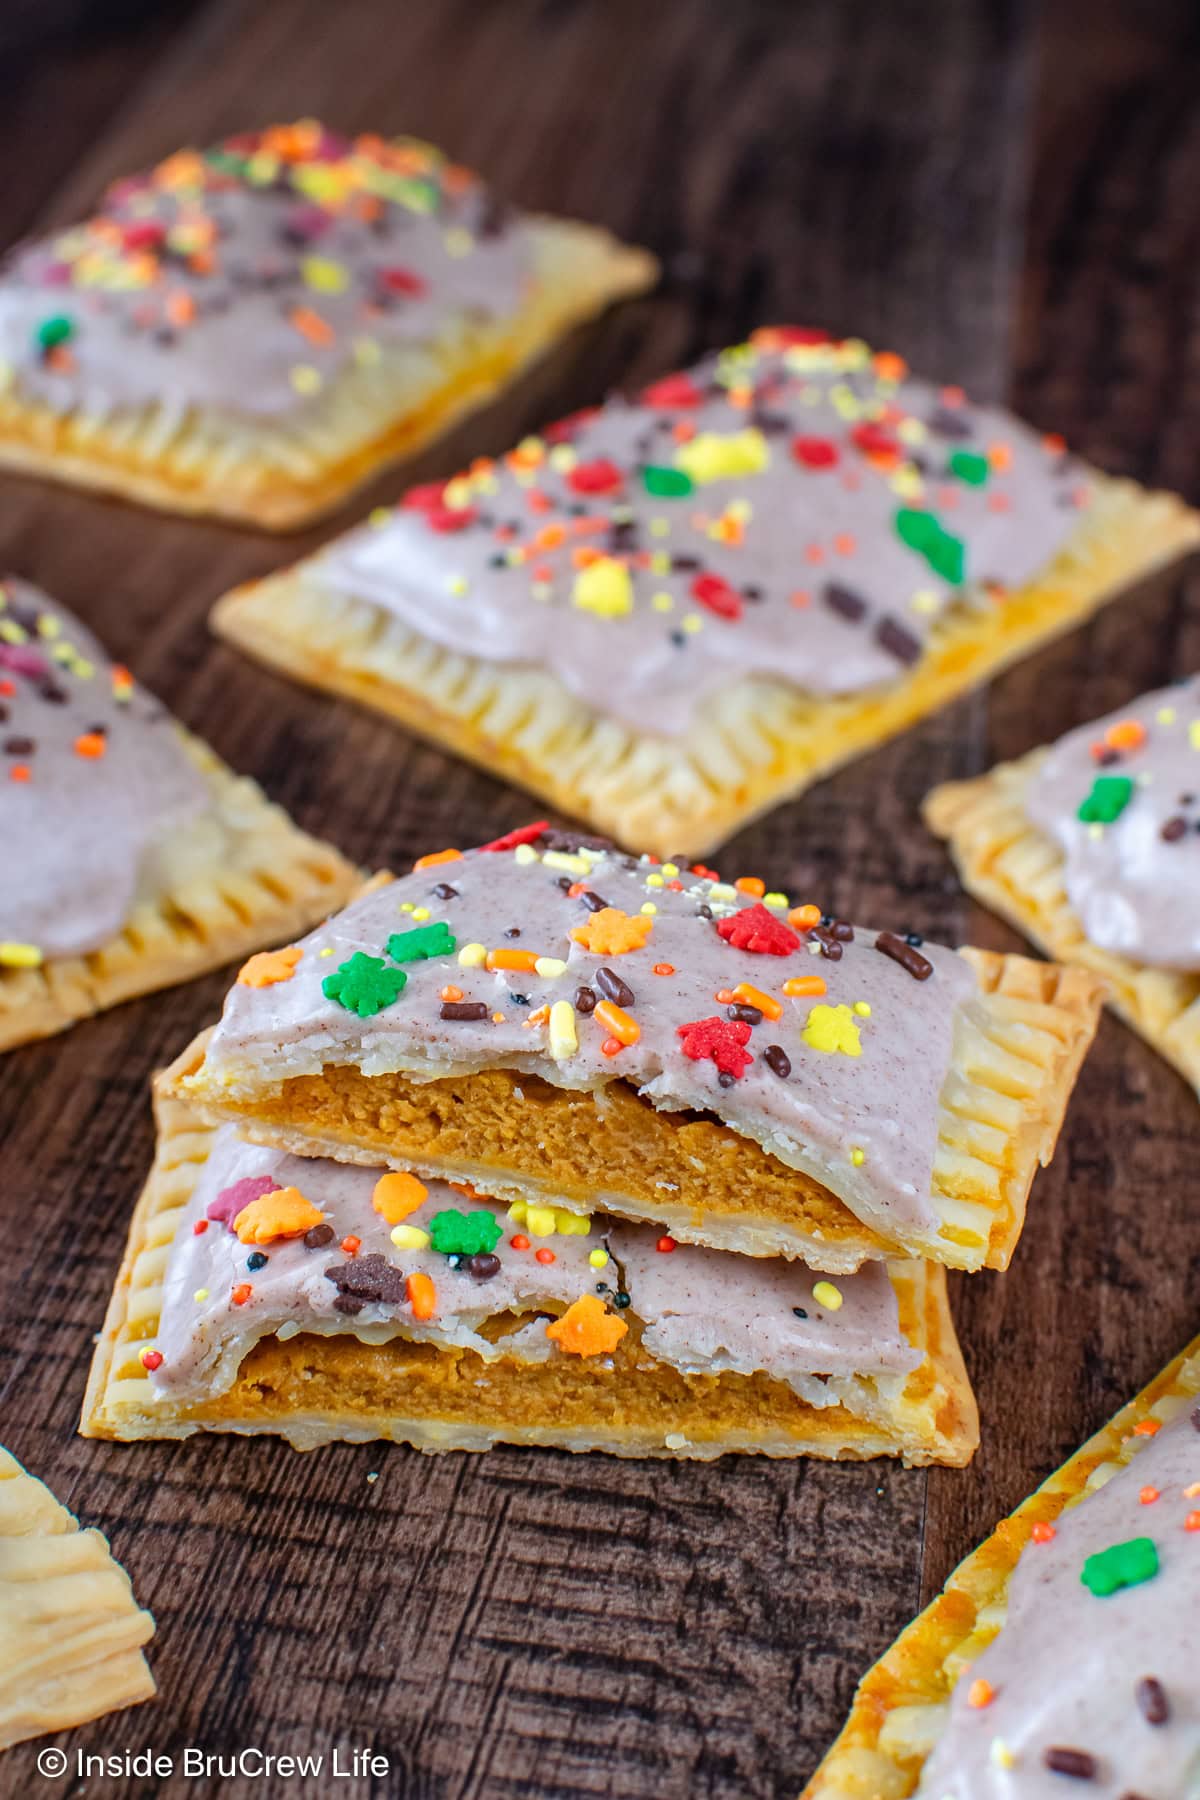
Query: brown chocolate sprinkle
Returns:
{"type": "Point", "coordinates": [444, 891]}
{"type": "Point", "coordinates": [1196, 1417]}
{"type": "Point", "coordinates": [897, 641]}
{"type": "Point", "coordinates": [18, 746]}
{"type": "Point", "coordinates": [842, 932]}
{"type": "Point", "coordinates": [1152, 1699]}
{"type": "Point", "coordinates": [844, 601]}
{"type": "Point", "coordinates": [744, 1015]}
{"type": "Point", "coordinates": [483, 1266]}
{"type": "Point", "coordinates": [1076, 1763]}
{"type": "Point", "coordinates": [918, 966]}
{"type": "Point", "coordinates": [464, 1009]}
{"type": "Point", "coordinates": [778, 1061]}
{"type": "Point", "coordinates": [366, 1281]}
{"type": "Point", "coordinates": [613, 988]}
{"type": "Point", "coordinates": [318, 1237]}
{"type": "Point", "coordinates": [1174, 829]}
{"type": "Point", "coordinates": [593, 902]}
{"type": "Point", "coordinates": [830, 946]}
{"type": "Point", "coordinates": [585, 1001]}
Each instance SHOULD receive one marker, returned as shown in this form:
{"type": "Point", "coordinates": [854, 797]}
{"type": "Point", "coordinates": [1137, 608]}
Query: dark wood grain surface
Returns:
{"type": "Point", "coordinates": [1007, 194]}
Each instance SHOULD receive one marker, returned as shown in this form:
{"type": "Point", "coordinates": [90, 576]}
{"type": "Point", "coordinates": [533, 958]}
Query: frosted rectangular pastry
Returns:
{"type": "Point", "coordinates": [1062, 1656]}
{"type": "Point", "coordinates": [71, 1632]}
{"type": "Point", "coordinates": [1092, 848]}
{"type": "Point", "coordinates": [550, 1019]}
{"type": "Point", "coordinates": [134, 858]}
{"type": "Point", "coordinates": [262, 1292]}
{"type": "Point", "coordinates": [668, 614]}
{"type": "Point", "coordinates": [255, 329]}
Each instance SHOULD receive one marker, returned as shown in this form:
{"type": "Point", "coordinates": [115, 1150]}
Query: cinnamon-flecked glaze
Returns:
{"type": "Point", "coordinates": [1121, 797]}
{"type": "Point", "coordinates": [702, 1310]}
{"type": "Point", "coordinates": [1071, 1668]}
{"type": "Point", "coordinates": [92, 775]}
{"type": "Point", "coordinates": [792, 508]}
{"type": "Point", "coordinates": [844, 1083]}
{"type": "Point", "coordinates": [244, 278]}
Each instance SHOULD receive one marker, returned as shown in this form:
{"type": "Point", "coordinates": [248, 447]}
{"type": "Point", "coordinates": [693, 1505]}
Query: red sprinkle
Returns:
{"type": "Point", "coordinates": [599, 477]}
{"type": "Point", "coordinates": [672, 390]}
{"type": "Point", "coordinates": [665, 1244]}
{"type": "Point", "coordinates": [815, 452]}
{"type": "Point", "coordinates": [544, 1256]}
{"type": "Point", "coordinates": [151, 1359]}
{"type": "Point", "coordinates": [717, 595]}
{"type": "Point", "coordinates": [351, 1245]}
{"type": "Point", "coordinates": [524, 834]}
{"type": "Point", "coordinates": [1043, 1533]}
{"type": "Point", "coordinates": [241, 1293]}
{"type": "Point", "coordinates": [800, 334]}
{"type": "Point", "coordinates": [200, 1227]}
{"type": "Point", "coordinates": [402, 281]}
{"type": "Point", "coordinates": [520, 1241]}
{"type": "Point", "coordinates": [873, 440]}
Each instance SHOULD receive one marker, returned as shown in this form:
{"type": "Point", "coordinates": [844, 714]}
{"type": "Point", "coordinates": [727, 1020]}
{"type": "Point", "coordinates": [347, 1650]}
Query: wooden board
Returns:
{"type": "Point", "coordinates": [1002, 192]}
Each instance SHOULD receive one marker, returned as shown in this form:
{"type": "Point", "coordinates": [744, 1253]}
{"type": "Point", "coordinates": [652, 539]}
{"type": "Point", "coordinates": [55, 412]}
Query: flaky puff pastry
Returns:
{"type": "Point", "coordinates": [900, 1705]}
{"type": "Point", "coordinates": [1010, 865]}
{"type": "Point", "coordinates": [313, 1389]}
{"type": "Point", "coordinates": [71, 1631]}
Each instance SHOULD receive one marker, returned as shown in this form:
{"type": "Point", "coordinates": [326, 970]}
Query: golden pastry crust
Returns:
{"type": "Point", "coordinates": [284, 474]}
{"type": "Point", "coordinates": [759, 742]}
{"type": "Point", "coordinates": [70, 1629]}
{"type": "Point", "coordinates": [896, 1716]}
{"type": "Point", "coordinates": [263, 881]}
{"type": "Point", "coordinates": [314, 1389]}
{"type": "Point", "coordinates": [1013, 867]}
{"type": "Point", "coordinates": [1013, 1067]}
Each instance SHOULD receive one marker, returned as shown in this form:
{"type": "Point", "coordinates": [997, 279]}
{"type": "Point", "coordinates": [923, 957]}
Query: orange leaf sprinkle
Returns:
{"type": "Point", "coordinates": [283, 1213]}
{"type": "Point", "coordinates": [269, 967]}
{"type": "Point", "coordinates": [611, 932]}
{"type": "Point", "coordinates": [587, 1328]}
{"type": "Point", "coordinates": [422, 1295]}
{"type": "Point", "coordinates": [397, 1194]}
{"type": "Point", "coordinates": [438, 856]}
{"type": "Point", "coordinates": [767, 1004]}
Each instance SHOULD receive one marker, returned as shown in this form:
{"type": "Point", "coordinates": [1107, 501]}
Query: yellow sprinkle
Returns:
{"type": "Point", "coordinates": [324, 276]}
{"type": "Point", "coordinates": [457, 584]}
{"type": "Point", "coordinates": [858, 1157]}
{"type": "Point", "coordinates": [1165, 715]}
{"type": "Point", "coordinates": [654, 881]}
{"type": "Point", "coordinates": [563, 1039]}
{"type": "Point", "coordinates": [826, 1295]}
{"type": "Point", "coordinates": [549, 967]}
{"type": "Point", "coordinates": [20, 956]}
{"type": "Point", "coordinates": [409, 1237]}
{"type": "Point", "coordinates": [662, 602]}
{"type": "Point", "coordinates": [540, 1220]}
{"type": "Point", "coordinates": [862, 1008]}
{"type": "Point", "coordinates": [603, 588]}
{"type": "Point", "coordinates": [305, 379]}
{"type": "Point", "coordinates": [199, 1295]}
{"type": "Point", "coordinates": [366, 352]}
{"type": "Point", "coordinates": [649, 907]}
{"type": "Point", "coordinates": [525, 853]}
{"type": "Point", "coordinates": [1001, 1756]}
{"type": "Point", "coordinates": [670, 870]}
{"type": "Point", "coordinates": [660, 562]}
{"type": "Point", "coordinates": [420, 912]}
{"type": "Point", "coordinates": [406, 906]}
{"type": "Point", "coordinates": [693, 623]}
{"type": "Point", "coordinates": [328, 951]}
{"type": "Point", "coordinates": [598, 1258]}
{"type": "Point", "coordinates": [517, 1211]}
{"type": "Point", "coordinates": [779, 901]}
{"type": "Point", "coordinates": [562, 859]}
{"type": "Point", "coordinates": [714, 455]}
{"type": "Point", "coordinates": [473, 956]}
{"type": "Point", "coordinates": [924, 601]}
{"type": "Point", "coordinates": [1194, 734]}
{"type": "Point", "coordinates": [660, 528]}
{"type": "Point", "coordinates": [569, 1224]}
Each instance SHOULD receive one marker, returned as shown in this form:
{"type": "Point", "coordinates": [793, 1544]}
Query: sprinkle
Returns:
{"type": "Point", "coordinates": [778, 1061]}
{"type": "Point", "coordinates": [798, 986]}
{"type": "Point", "coordinates": [907, 955]}
{"type": "Point", "coordinates": [422, 1295]}
{"type": "Point", "coordinates": [663, 969]}
{"type": "Point", "coordinates": [351, 1245]}
{"type": "Point", "coordinates": [241, 1293]}
{"type": "Point", "coordinates": [1120, 1566]}
{"type": "Point", "coordinates": [305, 379]}
{"type": "Point", "coordinates": [1149, 1495]}
{"type": "Point", "coordinates": [562, 1039]}
{"type": "Point", "coordinates": [665, 1245]}
{"type": "Point", "coordinates": [618, 1023]}
{"type": "Point", "coordinates": [1043, 1532]}
{"type": "Point", "coordinates": [364, 985]}
{"type": "Point", "coordinates": [519, 1241]}
{"type": "Point", "coordinates": [151, 1360]}
{"type": "Point", "coordinates": [1147, 1428]}
{"type": "Point", "coordinates": [1076, 1763]}
{"type": "Point", "coordinates": [284, 1213]}
{"type": "Point", "coordinates": [666, 483]}
{"type": "Point", "coordinates": [544, 1256]}
{"type": "Point", "coordinates": [1192, 1522]}
{"type": "Point", "coordinates": [475, 1233]}
{"type": "Point", "coordinates": [56, 330]}
{"type": "Point", "coordinates": [472, 956]}
{"type": "Point", "coordinates": [517, 961]}
{"type": "Point", "coordinates": [611, 932]}
{"type": "Point", "coordinates": [828, 1296]}
{"type": "Point", "coordinates": [858, 1157]}
{"type": "Point", "coordinates": [598, 1258]}
{"type": "Point", "coordinates": [759, 931]}
{"type": "Point", "coordinates": [765, 1003]}
{"type": "Point", "coordinates": [587, 1328]}
{"type": "Point", "coordinates": [92, 745]}
{"type": "Point", "coordinates": [603, 588]}
{"type": "Point", "coordinates": [981, 1693]}
{"type": "Point", "coordinates": [20, 956]}
{"type": "Point", "coordinates": [422, 944]}
{"type": "Point", "coordinates": [200, 1295]}
{"type": "Point", "coordinates": [1107, 800]}
{"type": "Point", "coordinates": [1152, 1700]}
{"type": "Point", "coordinates": [436, 858]}
{"type": "Point", "coordinates": [970, 467]}
{"type": "Point", "coordinates": [723, 1040]}
{"type": "Point", "coordinates": [713, 456]}
{"type": "Point", "coordinates": [466, 1011]}
{"type": "Point", "coordinates": [269, 967]}
{"type": "Point", "coordinates": [832, 1029]}
{"type": "Point", "coordinates": [549, 968]}
{"type": "Point", "coordinates": [409, 1237]}
{"type": "Point", "coordinates": [1000, 1756]}
{"type": "Point", "coordinates": [398, 1194]}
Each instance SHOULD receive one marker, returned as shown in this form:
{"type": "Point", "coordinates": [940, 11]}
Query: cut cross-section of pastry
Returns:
{"type": "Point", "coordinates": [71, 1632]}
{"type": "Point", "coordinates": [255, 329]}
{"type": "Point", "coordinates": [1066, 1646]}
{"type": "Point", "coordinates": [262, 1292]}
{"type": "Point", "coordinates": [563, 1022]}
{"type": "Point", "coordinates": [1092, 848]}
{"type": "Point", "coordinates": [134, 858]}
{"type": "Point", "coordinates": [668, 614]}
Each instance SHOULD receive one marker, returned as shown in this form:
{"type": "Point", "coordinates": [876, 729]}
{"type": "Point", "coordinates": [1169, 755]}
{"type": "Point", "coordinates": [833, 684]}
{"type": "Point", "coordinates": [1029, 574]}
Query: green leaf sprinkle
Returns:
{"type": "Point", "coordinates": [54, 331]}
{"type": "Point", "coordinates": [422, 944]}
{"type": "Point", "coordinates": [464, 1234]}
{"type": "Point", "coordinates": [1120, 1566]}
{"type": "Point", "coordinates": [1108, 799]}
{"type": "Point", "coordinates": [364, 984]}
{"type": "Point", "coordinates": [945, 554]}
